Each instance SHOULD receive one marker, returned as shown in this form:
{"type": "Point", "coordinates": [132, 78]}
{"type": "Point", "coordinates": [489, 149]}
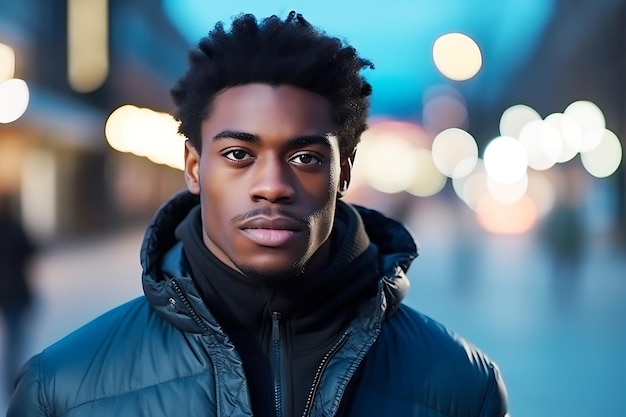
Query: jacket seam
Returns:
{"type": "Point", "coordinates": [40, 379]}
{"type": "Point", "coordinates": [121, 394]}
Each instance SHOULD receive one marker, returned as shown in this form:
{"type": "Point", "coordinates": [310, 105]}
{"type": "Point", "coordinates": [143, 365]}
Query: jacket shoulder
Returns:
{"type": "Point", "coordinates": [112, 356]}
{"type": "Point", "coordinates": [422, 365]}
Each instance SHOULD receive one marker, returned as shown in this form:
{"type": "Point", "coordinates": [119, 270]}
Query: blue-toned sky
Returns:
{"type": "Point", "coordinates": [398, 35]}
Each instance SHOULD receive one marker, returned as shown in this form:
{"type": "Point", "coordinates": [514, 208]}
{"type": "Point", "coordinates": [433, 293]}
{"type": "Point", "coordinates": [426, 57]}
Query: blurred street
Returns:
{"type": "Point", "coordinates": [560, 349]}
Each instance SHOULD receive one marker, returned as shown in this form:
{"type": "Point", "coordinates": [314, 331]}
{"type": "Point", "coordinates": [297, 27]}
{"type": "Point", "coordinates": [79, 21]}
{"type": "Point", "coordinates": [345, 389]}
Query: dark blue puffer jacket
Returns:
{"type": "Point", "coordinates": [165, 354]}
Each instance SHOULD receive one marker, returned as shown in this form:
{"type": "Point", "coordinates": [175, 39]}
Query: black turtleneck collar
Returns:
{"type": "Point", "coordinates": [238, 300]}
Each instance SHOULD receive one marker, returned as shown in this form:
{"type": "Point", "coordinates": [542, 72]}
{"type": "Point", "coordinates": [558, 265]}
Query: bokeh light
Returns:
{"type": "Point", "coordinates": [472, 187]}
{"type": "Point", "coordinates": [387, 155]}
{"type": "Point", "coordinates": [457, 56]}
{"type": "Point", "coordinates": [590, 119]}
{"type": "Point", "coordinates": [146, 133]}
{"type": "Point", "coordinates": [543, 144]}
{"type": "Point", "coordinates": [506, 160]}
{"type": "Point", "coordinates": [444, 108]}
{"type": "Point", "coordinates": [428, 180]}
{"type": "Point", "coordinates": [14, 98]}
{"type": "Point", "coordinates": [87, 44]}
{"type": "Point", "coordinates": [514, 119]}
{"type": "Point", "coordinates": [570, 135]}
{"type": "Point", "coordinates": [389, 164]}
{"type": "Point", "coordinates": [508, 193]}
{"type": "Point", "coordinates": [7, 62]}
{"type": "Point", "coordinates": [497, 217]}
{"type": "Point", "coordinates": [454, 152]}
{"type": "Point", "coordinates": [605, 158]}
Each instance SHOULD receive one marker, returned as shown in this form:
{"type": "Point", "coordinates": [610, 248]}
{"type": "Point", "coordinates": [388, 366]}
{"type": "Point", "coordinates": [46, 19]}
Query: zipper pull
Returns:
{"type": "Point", "coordinates": [275, 325]}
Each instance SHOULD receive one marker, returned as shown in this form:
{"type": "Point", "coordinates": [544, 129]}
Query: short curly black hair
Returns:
{"type": "Point", "coordinates": [276, 52]}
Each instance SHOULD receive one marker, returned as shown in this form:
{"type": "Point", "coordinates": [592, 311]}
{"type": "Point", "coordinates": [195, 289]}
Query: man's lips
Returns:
{"type": "Point", "coordinates": [270, 231]}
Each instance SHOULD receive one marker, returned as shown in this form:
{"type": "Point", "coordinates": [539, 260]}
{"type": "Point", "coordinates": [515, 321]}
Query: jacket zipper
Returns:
{"type": "Point", "coordinates": [193, 313]}
{"type": "Point", "coordinates": [320, 370]}
{"type": "Point", "coordinates": [276, 365]}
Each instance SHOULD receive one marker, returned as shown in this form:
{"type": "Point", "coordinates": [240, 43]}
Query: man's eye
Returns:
{"type": "Point", "coordinates": [237, 155]}
{"type": "Point", "coordinates": [306, 159]}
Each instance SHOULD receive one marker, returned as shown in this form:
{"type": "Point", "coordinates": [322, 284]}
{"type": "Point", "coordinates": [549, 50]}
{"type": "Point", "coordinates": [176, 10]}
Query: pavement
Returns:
{"type": "Point", "coordinates": [559, 345]}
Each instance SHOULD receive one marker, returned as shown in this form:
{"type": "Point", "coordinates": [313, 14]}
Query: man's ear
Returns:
{"type": "Point", "coordinates": [345, 174]}
{"type": "Point", "coordinates": [192, 164]}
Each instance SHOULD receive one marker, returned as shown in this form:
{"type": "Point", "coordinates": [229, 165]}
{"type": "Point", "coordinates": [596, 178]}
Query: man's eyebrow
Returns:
{"type": "Point", "coordinates": [252, 138]}
{"type": "Point", "coordinates": [232, 134]}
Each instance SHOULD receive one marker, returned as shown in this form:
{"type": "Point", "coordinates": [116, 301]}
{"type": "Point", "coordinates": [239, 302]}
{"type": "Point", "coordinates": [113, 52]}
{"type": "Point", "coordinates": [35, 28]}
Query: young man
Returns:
{"type": "Point", "coordinates": [265, 294]}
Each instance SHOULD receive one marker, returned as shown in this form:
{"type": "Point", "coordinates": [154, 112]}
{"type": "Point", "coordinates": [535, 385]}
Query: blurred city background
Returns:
{"type": "Point", "coordinates": [497, 136]}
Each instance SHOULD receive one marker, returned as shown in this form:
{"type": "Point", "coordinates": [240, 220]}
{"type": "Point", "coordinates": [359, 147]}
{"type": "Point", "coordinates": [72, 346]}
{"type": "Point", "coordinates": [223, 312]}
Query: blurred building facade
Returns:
{"type": "Point", "coordinates": [55, 157]}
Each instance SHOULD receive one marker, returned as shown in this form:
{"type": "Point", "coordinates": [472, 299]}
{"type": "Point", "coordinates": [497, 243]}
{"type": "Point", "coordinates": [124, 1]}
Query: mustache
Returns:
{"type": "Point", "coordinates": [269, 212]}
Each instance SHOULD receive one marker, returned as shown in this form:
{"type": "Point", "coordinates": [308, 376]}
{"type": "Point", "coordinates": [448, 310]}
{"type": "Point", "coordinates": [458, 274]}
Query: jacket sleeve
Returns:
{"type": "Point", "coordinates": [28, 399]}
{"type": "Point", "coordinates": [495, 403]}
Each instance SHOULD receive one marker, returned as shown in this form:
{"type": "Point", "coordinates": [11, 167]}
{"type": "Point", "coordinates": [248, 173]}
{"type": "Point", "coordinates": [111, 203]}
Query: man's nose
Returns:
{"type": "Point", "coordinates": [272, 181]}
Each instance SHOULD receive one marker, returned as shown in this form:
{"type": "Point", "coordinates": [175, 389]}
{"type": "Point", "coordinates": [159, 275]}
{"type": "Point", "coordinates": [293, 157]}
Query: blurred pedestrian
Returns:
{"type": "Point", "coordinates": [265, 293]}
{"type": "Point", "coordinates": [16, 250]}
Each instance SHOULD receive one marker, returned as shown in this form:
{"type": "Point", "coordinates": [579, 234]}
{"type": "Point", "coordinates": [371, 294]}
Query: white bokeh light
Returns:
{"type": "Point", "coordinates": [14, 98]}
{"type": "Point", "coordinates": [506, 160]}
{"type": "Point", "coordinates": [455, 152]}
{"type": "Point", "coordinates": [473, 187]}
{"type": "Point", "coordinates": [543, 144]}
{"type": "Point", "coordinates": [590, 119]}
{"type": "Point", "coordinates": [515, 118]}
{"type": "Point", "coordinates": [570, 134]}
{"type": "Point", "coordinates": [605, 158]}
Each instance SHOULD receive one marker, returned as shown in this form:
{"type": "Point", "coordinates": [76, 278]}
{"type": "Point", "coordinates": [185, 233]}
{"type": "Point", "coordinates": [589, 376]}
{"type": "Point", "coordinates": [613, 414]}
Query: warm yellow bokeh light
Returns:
{"type": "Point", "coordinates": [457, 56]}
{"type": "Point", "coordinates": [87, 44]}
{"type": "Point", "coordinates": [115, 126]}
{"type": "Point", "coordinates": [146, 133]}
{"type": "Point", "coordinates": [390, 166]}
{"type": "Point", "coordinates": [7, 62]}
{"type": "Point", "coordinates": [386, 155]}
{"type": "Point", "coordinates": [428, 180]}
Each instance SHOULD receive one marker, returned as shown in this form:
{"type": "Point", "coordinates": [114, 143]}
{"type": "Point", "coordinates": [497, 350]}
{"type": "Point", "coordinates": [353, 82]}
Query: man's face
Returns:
{"type": "Point", "coordinates": [268, 177]}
